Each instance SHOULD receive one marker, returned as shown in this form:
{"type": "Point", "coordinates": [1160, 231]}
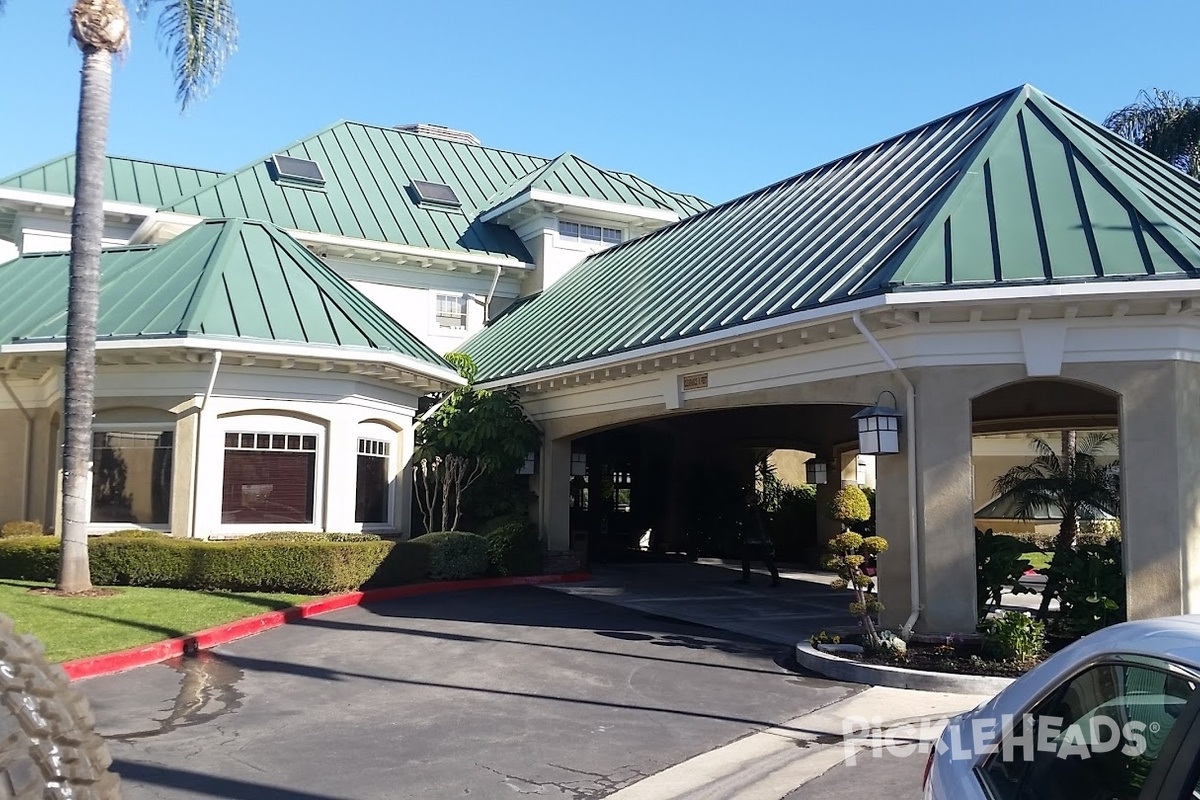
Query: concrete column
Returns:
{"type": "Point", "coordinates": [554, 493]}
{"type": "Point", "coordinates": [945, 513]}
{"type": "Point", "coordinates": [891, 522]}
{"type": "Point", "coordinates": [826, 527]}
{"type": "Point", "coordinates": [1160, 466]}
{"type": "Point", "coordinates": [341, 459]}
{"type": "Point", "coordinates": [183, 473]}
{"type": "Point", "coordinates": [402, 518]}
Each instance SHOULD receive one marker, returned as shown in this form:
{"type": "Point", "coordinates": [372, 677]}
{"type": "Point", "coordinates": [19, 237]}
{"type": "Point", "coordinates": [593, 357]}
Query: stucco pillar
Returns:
{"type": "Point", "coordinates": [1160, 469]}
{"type": "Point", "coordinates": [404, 480]}
{"type": "Point", "coordinates": [945, 513]}
{"type": "Point", "coordinates": [183, 473]}
{"type": "Point", "coordinates": [826, 527]}
{"type": "Point", "coordinates": [341, 476]}
{"type": "Point", "coordinates": [554, 493]}
{"type": "Point", "coordinates": [891, 522]}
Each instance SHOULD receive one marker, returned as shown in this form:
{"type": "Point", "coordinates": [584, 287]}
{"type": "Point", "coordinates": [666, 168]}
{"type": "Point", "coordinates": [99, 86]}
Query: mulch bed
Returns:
{"type": "Point", "coordinates": [961, 658]}
{"type": "Point", "coordinates": [88, 593]}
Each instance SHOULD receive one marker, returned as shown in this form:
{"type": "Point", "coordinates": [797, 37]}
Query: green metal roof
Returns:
{"type": "Point", "coordinates": [368, 171]}
{"type": "Point", "coordinates": [571, 175]}
{"type": "Point", "coordinates": [227, 279]}
{"type": "Point", "coordinates": [126, 180]}
{"type": "Point", "coordinates": [1016, 189]}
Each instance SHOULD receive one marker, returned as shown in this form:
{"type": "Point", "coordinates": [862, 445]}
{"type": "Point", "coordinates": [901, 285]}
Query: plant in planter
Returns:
{"type": "Point", "coordinates": [847, 556]}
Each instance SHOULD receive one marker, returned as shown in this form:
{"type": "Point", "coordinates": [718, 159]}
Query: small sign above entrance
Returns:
{"type": "Point", "coordinates": [697, 381]}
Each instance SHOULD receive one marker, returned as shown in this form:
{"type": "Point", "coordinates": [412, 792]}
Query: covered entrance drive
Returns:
{"type": "Point", "coordinates": [1009, 267]}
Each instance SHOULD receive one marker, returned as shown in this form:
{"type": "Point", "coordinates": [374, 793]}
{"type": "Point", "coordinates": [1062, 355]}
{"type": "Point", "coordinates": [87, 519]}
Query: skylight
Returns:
{"type": "Point", "coordinates": [436, 193]}
{"type": "Point", "coordinates": [297, 170]}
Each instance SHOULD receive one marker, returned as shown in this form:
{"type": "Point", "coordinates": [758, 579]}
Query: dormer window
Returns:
{"type": "Point", "coordinates": [438, 194]}
{"type": "Point", "coordinates": [589, 233]}
{"type": "Point", "coordinates": [298, 171]}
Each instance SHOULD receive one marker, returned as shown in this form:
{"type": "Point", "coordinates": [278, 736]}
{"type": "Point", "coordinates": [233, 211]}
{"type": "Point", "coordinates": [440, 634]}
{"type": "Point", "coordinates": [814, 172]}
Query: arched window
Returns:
{"type": "Point", "coordinates": [376, 472]}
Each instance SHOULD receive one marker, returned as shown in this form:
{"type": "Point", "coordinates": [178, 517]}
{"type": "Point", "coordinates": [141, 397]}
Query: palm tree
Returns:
{"type": "Point", "coordinates": [1073, 482]}
{"type": "Point", "coordinates": [199, 35]}
{"type": "Point", "coordinates": [1165, 124]}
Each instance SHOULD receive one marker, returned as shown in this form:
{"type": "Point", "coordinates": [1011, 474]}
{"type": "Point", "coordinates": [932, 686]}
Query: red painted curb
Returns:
{"type": "Point", "coordinates": [109, 663]}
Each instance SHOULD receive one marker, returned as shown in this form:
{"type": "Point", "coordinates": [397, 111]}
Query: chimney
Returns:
{"type": "Point", "coordinates": [438, 132]}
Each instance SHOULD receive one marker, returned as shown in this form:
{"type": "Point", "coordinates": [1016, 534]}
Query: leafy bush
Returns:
{"type": "Point", "coordinates": [310, 536]}
{"type": "Point", "coordinates": [21, 527]}
{"type": "Point", "coordinates": [1091, 584]}
{"type": "Point", "coordinates": [514, 549]}
{"type": "Point", "coordinates": [793, 524]}
{"type": "Point", "coordinates": [1013, 636]}
{"type": "Point", "coordinates": [849, 505]}
{"type": "Point", "coordinates": [136, 533]}
{"type": "Point", "coordinates": [500, 521]}
{"type": "Point", "coordinates": [454, 555]}
{"type": "Point", "coordinates": [998, 566]}
{"type": "Point", "coordinates": [302, 567]}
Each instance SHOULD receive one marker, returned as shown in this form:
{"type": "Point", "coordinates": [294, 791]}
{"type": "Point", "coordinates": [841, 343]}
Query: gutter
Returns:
{"type": "Point", "coordinates": [910, 443]}
{"type": "Point", "coordinates": [212, 381]}
{"type": "Point", "coordinates": [28, 455]}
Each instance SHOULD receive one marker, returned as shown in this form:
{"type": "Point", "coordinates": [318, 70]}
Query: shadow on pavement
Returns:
{"type": "Point", "coordinates": [211, 785]}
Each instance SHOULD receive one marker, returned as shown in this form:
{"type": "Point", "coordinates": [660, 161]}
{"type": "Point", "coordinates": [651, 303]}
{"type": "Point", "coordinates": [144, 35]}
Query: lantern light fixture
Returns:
{"type": "Point", "coordinates": [816, 472]}
{"type": "Point", "coordinates": [879, 428]}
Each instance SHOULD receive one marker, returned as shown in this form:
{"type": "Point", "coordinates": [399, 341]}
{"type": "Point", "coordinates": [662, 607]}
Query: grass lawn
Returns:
{"type": "Point", "coordinates": [73, 627]}
{"type": "Point", "coordinates": [1037, 559]}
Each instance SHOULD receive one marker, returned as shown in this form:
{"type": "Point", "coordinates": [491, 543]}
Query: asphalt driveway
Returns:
{"type": "Point", "coordinates": [487, 693]}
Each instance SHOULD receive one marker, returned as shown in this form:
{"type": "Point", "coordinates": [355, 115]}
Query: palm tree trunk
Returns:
{"type": "Point", "coordinates": [1068, 529]}
{"type": "Point", "coordinates": [83, 303]}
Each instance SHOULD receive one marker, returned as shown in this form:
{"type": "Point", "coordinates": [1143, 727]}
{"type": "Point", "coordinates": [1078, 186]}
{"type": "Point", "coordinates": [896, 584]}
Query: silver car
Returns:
{"type": "Point", "coordinates": [1113, 716]}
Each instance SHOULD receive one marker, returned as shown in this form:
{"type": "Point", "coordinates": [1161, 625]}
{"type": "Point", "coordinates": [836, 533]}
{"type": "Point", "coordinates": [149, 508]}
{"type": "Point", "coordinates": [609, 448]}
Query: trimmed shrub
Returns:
{"type": "Point", "coordinates": [137, 533]}
{"type": "Point", "coordinates": [301, 567]}
{"type": "Point", "coordinates": [29, 558]}
{"type": "Point", "coordinates": [502, 520]}
{"type": "Point", "coordinates": [514, 549]}
{"type": "Point", "coordinates": [454, 555]}
{"type": "Point", "coordinates": [849, 505]}
{"type": "Point", "coordinates": [310, 536]}
{"type": "Point", "coordinates": [21, 527]}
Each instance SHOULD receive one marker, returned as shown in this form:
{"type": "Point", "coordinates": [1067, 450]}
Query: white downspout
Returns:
{"type": "Point", "coordinates": [212, 381]}
{"type": "Point", "coordinates": [28, 460]}
{"type": "Point", "coordinates": [487, 304]}
{"type": "Point", "coordinates": [910, 443]}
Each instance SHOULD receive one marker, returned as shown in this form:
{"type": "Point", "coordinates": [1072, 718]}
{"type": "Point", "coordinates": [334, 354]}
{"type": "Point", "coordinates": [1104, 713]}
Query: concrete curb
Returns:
{"type": "Point", "coordinates": [145, 655]}
{"type": "Point", "coordinates": [843, 669]}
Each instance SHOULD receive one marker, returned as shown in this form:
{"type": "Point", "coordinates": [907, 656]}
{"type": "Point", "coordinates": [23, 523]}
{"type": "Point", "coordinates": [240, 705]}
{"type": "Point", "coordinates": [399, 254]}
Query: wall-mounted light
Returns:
{"type": "Point", "coordinates": [578, 464]}
{"type": "Point", "coordinates": [879, 428]}
{"type": "Point", "coordinates": [529, 466]}
{"type": "Point", "coordinates": [816, 471]}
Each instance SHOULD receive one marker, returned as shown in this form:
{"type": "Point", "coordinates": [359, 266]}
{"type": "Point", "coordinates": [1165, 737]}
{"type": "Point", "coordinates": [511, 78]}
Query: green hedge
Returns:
{"type": "Point", "coordinates": [514, 549]}
{"type": "Point", "coordinates": [300, 567]}
{"type": "Point", "coordinates": [454, 555]}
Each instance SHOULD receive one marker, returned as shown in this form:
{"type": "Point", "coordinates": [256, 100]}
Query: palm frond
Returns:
{"type": "Point", "coordinates": [1164, 124]}
{"type": "Point", "coordinates": [199, 36]}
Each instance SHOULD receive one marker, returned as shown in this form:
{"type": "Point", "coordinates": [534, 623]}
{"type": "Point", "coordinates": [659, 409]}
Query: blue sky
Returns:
{"type": "Point", "coordinates": [714, 98]}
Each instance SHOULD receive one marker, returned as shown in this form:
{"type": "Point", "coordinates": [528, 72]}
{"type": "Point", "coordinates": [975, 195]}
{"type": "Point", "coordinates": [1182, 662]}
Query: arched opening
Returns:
{"type": "Point", "coordinates": [678, 483]}
{"type": "Point", "coordinates": [1045, 457]}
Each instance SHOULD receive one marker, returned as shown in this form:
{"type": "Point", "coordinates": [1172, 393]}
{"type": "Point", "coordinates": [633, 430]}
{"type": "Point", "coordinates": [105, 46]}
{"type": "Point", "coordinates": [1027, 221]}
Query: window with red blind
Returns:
{"type": "Point", "coordinates": [270, 478]}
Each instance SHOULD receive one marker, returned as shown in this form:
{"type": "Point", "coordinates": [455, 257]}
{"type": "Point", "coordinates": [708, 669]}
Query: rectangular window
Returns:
{"type": "Point", "coordinates": [452, 311]}
{"type": "Point", "coordinates": [269, 479]}
{"type": "Point", "coordinates": [371, 501]}
{"type": "Point", "coordinates": [131, 477]}
{"type": "Point", "coordinates": [589, 233]}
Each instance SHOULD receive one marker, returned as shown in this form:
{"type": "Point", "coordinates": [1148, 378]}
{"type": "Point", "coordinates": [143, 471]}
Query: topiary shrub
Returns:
{"type": "Point", "coordinates": [21, 527]}
{"type": "Point", "coordinates": [514, 548]}
{"type": "Point", "coordinates": [454, 555]}
{"type": "Point", "coordinates": [849, 506]}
